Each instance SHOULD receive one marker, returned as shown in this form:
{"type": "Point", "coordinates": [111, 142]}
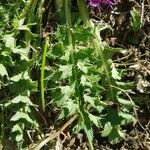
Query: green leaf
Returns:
{"type": "Point", "coordinates": [94, 102]}
{"type": "Point", "coordinates": [17, 133]}
{"type": "Point", "coordinates": [66, 71]}
{"type": "Point", "coordinates": [84, 81]}
{"type": "Point", "coordinates": [23, 99]}
{"type": "Point", "coordinates": [125, 102]}
{"type": "Point", "coordinates": [89, 99]}
{"type": "Point", "coordinates": [3, 71]}
{"type": "Point", "coordinates": [116, 135]}
{"type": "Point", "coordinates": [20, 76]}
{"type": "Point", "coordinates": [19, 138]}
{"type": "Point", "coordinates": [127, 117]}
{"type": "Point", "coordinates": [22, 82]}
{"type": "Point", "coordinates": [9, 41]}
{"type": "Point", "coordinates": [94, 119]}
{"type": "Point", "coordinates": [112, 116]}
{"type": "Point", "coordinates": [115, 73]}
{"type": "Point", "coordinates": [83, 53]}
{"type": "Point", "coordinates": [78, 127]}
{"type": "Point", "coordinates": [108, 52]}
{"type": "Point", "coordinates": [136, 20]}
{"type": "Point", "coordinates": [82, 67]}
{"type": "Point", "coordinates": [55, 76]}
{"type": "Point", "coordinates": [69, 109]}
{"type": "Point", "coordinates": [83, 34]}
{"type": "Point", "coordinates": [22, 115]}
{"type": "Point", "coordinates": [58, 49]}
{"type": "Point", "coordinates": [24, 86]}
{"type": "Point", "coordinates": [5, 58]}
{"type": "Point", "coordinates": [87, 126]}
{"type": "Point", "coordinates": [19, 25]}
{"type": "Point", "coordinates": [16, 128]}
{"type": "Point", "coordinates": [107, 129]}
{"type": "Point", "coordinates": [67, 54]}
{"type": "Point", "coordinates": [23, 52]}
{"type": "Point", "coordinates": [125, 85]}
{"type": "Point", "coordinates": [67, 91]}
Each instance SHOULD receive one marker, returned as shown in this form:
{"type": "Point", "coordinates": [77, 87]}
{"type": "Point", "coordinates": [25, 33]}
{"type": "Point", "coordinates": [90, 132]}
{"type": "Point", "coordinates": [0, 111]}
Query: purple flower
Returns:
{"type": "Point", "coordinates": [94, 3]}
{"type": "Point", "coordinates": [101, 3]}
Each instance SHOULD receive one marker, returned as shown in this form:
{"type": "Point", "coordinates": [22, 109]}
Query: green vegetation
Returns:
{"type": "Point", "coordinates": [53, 60]}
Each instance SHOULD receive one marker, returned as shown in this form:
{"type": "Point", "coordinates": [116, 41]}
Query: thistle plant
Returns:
{"type": "Point", "coordinates": [77, 73]}
{"type": "Point", "coordinates": [15, 64]}
{"type": "Point", "coordinates": [84, 81]}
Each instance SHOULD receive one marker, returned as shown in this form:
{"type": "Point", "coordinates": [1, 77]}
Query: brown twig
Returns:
{"type": "Point", "coordinates": [54, 135]}
{"type": "Point", "coordinates": [142, 11]}
{"type": "Point", "coordinates": [148, 1]}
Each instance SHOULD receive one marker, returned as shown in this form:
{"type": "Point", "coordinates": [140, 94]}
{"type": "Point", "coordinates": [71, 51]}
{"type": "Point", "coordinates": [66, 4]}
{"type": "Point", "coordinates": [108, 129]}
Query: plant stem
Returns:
{"type": "Point", "coordinates": [70, 41]}
{"type": "Point", "coordinates": [83, 11]}
{"type": "Point", "coordinates": [33, 13]}
{"type": "Point", "coordinates": [96, 42]}
{"type": "Point", "coordinates": [43, 72]}
{"type": "Point", "coordinates": [99, 50]}
{"type": "Point", "coordinates": [58, 4]}
{"type": "Point", "coordinates": [71, 46]}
